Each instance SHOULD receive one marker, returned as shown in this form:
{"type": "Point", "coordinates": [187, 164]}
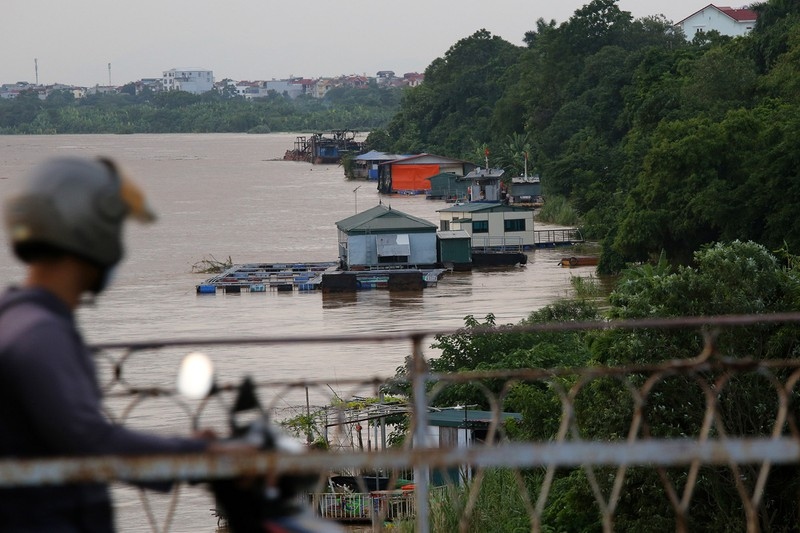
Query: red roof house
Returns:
{"type": "Point", "coordinates": [726, 20]}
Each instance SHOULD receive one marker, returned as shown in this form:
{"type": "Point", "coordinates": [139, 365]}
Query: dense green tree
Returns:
{"type": "Point", "coordinates": [514, 155]}
{"type": "Point", "coordinates": [770, 39]}
{"type": "Point", "coordinates": [60, 98]}
{"type": "Point", "coordinates": [25, 108]}
{"type": "Point", "coordinates": [732, 278]}
{"type": "Point", "coordinates": [735, 278]}
{"type": "Point", "coordinates": [176, 111]}
{"type": "Point", "coordinates": [453, 108]}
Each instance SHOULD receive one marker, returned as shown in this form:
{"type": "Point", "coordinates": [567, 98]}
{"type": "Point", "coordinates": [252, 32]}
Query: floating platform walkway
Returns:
{"type": "Point", "coordinates": [263, 277]}
{"type": "Point", "coordinates": [325, 276]}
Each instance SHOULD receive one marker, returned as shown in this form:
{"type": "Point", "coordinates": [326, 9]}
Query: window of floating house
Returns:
{"type": "Point", "coordinates": [393, 248]}
{"type": "Point", "coordinates": [480, 226]}
{"type": "Point", "coordinates": [514, 224]}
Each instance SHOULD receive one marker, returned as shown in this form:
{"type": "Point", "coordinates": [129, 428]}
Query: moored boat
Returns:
{"type": "Point", "coordinates": [579, 261]}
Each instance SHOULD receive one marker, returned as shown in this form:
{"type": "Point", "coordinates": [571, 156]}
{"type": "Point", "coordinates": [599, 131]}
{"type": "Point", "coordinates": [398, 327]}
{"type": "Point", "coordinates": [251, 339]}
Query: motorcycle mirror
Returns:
{"type": "Point", "coordinates": [246, 398]}
{"type": "Point", "coordinates": [196, 376]}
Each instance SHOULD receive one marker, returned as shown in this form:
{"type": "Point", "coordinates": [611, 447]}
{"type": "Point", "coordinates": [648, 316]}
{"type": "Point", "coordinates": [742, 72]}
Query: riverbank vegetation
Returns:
{"type": "Point", "coordinates": [733, 278]}
{"type": "Point", "coordinates": [180, 112]}
{"type": "Point", "coordinates": [680, 158]}
{"type": "Point", "coordinates": [658, 144]}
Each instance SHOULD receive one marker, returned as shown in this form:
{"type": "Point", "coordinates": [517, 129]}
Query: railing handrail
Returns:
{"type": "Point", "coordinates": [204, 466]}
{"type": "Point", "coordinates": [709, 372]}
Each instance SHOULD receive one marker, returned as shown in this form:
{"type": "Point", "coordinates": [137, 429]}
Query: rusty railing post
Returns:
{"type": "Point", "coordinates": [420, 418]}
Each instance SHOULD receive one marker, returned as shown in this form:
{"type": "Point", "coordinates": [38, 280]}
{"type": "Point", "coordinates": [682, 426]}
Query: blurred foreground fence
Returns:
{"type": "Point", "coordinates": [462, 451]}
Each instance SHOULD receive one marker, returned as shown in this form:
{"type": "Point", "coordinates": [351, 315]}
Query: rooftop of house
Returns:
{"type": "Point", "coordinates": [461, 417]}
{"type": "Point", "coordinates": [741, 15]}
{"type": "Point", "coordinates": [457, 234]}
{"type": "Point", "coordinates": [384, 219]}
{"type": "Point", "coordinates": [374, 155]}
{"type": "Point", "coordinates": [485, 174]}
{"type": "Point", "coordinates": [424, 158]}
{"type": "Point", "coordinates": [472, 207]}
{"type": "Point", "coordinates": [737, 14]}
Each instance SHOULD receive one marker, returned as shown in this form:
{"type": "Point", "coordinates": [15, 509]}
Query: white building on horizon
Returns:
{"type": "Point", "coordinates": [191, 80]}
{"type": "Point", "coordinates": [725, 20]}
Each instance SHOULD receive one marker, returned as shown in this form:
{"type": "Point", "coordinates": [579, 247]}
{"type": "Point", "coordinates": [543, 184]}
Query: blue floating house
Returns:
{"type": "Point", "coordinates": [365, 166]}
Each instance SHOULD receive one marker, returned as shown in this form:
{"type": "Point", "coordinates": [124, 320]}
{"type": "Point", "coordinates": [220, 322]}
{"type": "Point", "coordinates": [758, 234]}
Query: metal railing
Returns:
{"type": "Point", "coordinates": [497, 244]}
{"type": "Point", "coordinates": [554, 237]}
{"type": "Point", "coordinates": [750, 456]}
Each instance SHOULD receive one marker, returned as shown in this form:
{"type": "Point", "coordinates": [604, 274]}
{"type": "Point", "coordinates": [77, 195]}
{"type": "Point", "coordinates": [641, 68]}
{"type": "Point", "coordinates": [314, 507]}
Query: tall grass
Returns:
{"type": "Point", "coordinates": [500, 507]}
{"type": "Point", "coordinates": [586, 288]}
{"type": "Point", "coordinates": [556, 210]}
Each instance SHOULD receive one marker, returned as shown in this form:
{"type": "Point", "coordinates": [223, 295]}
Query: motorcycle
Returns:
{"type": "Point", "coordinates": [267, 504]}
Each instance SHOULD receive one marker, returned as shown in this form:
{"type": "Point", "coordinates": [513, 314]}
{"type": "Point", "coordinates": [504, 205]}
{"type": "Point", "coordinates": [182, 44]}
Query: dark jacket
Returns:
{"type": "Point", "coordinates": [50, 405]}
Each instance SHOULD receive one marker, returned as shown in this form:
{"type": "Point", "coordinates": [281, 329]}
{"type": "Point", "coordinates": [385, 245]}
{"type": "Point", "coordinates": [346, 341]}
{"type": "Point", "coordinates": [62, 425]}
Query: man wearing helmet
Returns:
{"type": "Point", "coordinates": [66, 225]}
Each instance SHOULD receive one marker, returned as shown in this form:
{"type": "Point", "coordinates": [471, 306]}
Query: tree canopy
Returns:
{"type": "Point", "coordinates": [659, 144]}
{"type": "Point", "coordinates": [181, 112]}
{"type": "Point", "coordinates": [726, 278]}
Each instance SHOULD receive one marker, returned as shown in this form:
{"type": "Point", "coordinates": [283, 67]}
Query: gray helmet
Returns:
{"type": "Point", "coordinates": [74, 205]}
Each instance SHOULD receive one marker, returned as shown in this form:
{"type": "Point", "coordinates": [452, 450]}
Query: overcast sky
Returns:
{"type": "Point", "coordinates": [74, 41]}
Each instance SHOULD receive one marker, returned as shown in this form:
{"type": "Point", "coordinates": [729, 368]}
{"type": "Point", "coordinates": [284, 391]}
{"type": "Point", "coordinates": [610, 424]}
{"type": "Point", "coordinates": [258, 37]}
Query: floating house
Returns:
{"type": "Point", "coordinates": [365, 166]}
{"type": "Point", "coordinates": [448, 186]}
{"type": "Point", "coordinates": [409, 175]}
{"type": "Point", "coordinates": [491, 225]}
{"type": "Point", "coordinates": [383, 237]}
{"type": "Point", "coordinates": [455, 249]}
{"type": "Point", "coordinates": [324, 148]}
{"type": "Point", "coordinates": [461, 427]}
{"type": "Point", "coordinates": [485, 184]}
{"type": "Point", "coordinates": [526, 190]}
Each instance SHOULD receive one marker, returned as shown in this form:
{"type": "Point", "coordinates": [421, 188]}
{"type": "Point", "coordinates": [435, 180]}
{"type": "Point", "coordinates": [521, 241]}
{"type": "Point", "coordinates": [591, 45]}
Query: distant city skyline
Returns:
{"type": "Point", "coordinates": [74, 43]}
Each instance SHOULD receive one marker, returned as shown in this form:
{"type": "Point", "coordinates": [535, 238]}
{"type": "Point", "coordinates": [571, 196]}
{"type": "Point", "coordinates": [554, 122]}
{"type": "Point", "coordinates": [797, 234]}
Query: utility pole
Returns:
{"type": "Point", "coordinates": [526, 163]}
{"type": "Point", "coordinates": [36, 69]}
{"type": "Point", "coordinates": [109, 74]}
{"type": "Point", "coordinates": [355, 192]}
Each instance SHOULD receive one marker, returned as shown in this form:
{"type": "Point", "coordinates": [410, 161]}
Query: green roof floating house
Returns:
{"type": "Point", "coordinates": [448, 186]}
{"type": "Point", "coordinates": [382, 237]}
{"type": "Point", "coordinates": [461, 427]}
{"type": "Point", "coordinates": [455, 249]}
{"type": "Point", "coordinates": [499, 233]}
{"type": "Point", "coordinates": [491, 224]}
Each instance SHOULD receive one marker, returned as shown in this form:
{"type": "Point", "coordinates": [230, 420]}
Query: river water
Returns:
{"type": "Point", "coordinates": [231, 195]}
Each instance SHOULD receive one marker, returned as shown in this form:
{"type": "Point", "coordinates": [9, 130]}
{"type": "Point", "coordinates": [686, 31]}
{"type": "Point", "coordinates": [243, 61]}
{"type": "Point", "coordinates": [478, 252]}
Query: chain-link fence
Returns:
{"type": "Point", "coordinates": [681, 435]}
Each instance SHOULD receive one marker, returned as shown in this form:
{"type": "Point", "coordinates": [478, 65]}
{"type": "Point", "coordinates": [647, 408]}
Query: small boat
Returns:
{"type": "Point", "coordinates": [579, 261]}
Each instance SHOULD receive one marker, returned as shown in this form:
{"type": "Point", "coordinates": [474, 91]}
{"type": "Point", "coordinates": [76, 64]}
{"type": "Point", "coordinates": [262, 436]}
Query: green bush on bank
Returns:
{"type": "Point", "coordinates": [557, 210]}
